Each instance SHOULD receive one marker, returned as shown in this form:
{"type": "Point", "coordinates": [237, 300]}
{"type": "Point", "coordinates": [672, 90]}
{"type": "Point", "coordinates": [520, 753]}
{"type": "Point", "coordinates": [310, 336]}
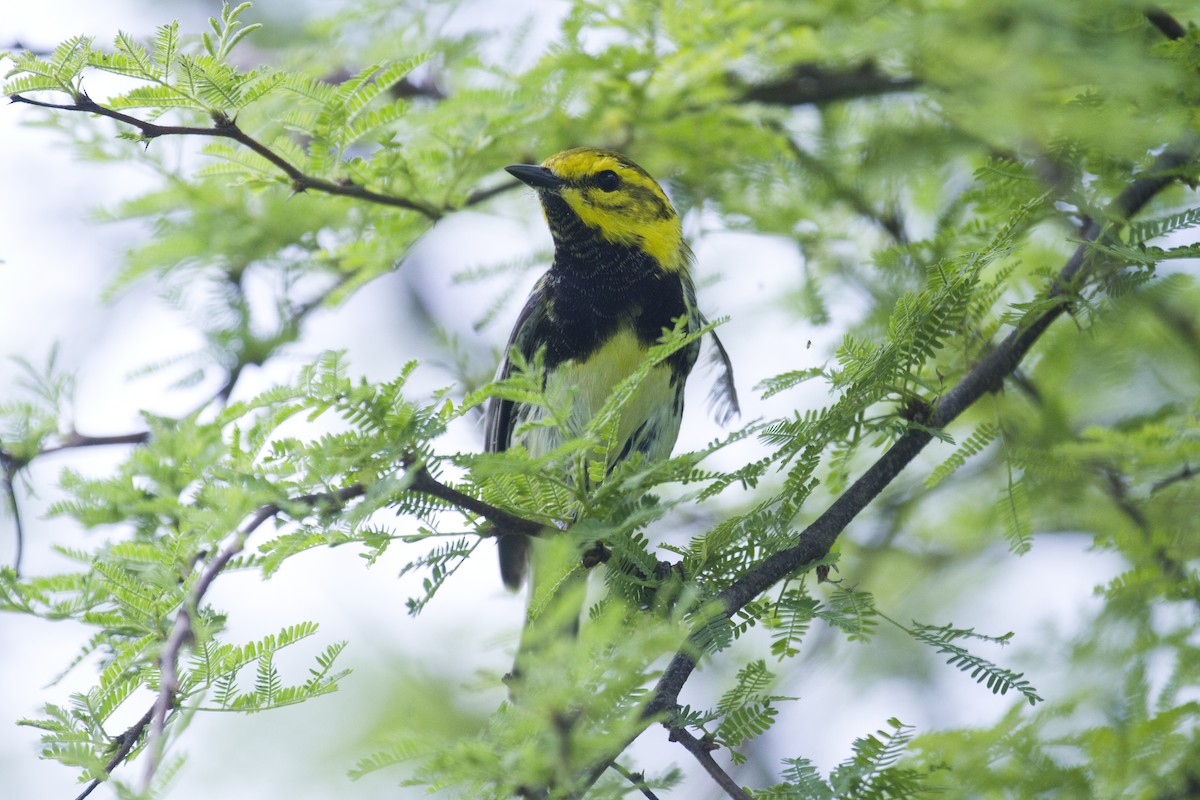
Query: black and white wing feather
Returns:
{"type": "Point", "coordinates": [501, 418]}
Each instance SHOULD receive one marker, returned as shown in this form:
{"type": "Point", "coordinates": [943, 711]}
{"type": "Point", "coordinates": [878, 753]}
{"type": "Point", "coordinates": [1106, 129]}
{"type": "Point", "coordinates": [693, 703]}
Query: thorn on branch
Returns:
{"type": "Point", "coordinates": [916, 409]}
{"type": "Point", "coordinates": [595, 555]}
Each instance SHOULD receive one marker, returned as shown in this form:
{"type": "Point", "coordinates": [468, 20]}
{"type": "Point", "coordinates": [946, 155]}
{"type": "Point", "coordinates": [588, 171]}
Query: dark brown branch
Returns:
{"type": "Point", "coordinates": [702, 750]}
{"type": "Point", "coordinates": [817, 84]}
{"type": "Point", "coordinates": [505, 521]}
{"type": "Point", "coordinates": [73, 440]}
{"type": "Point", "coordinates": [127, 740]}
{"type": "Point", "coordinates": [225, 128]}
{"type": "Point", "coordinates": [637, 779]}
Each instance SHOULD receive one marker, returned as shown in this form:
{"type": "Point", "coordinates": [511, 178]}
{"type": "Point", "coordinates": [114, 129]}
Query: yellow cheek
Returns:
{"type": "Point", "coordinates": [660, 238]}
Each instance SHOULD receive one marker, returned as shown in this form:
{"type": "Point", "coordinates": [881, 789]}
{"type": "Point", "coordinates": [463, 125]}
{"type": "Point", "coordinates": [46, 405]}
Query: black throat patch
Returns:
{"type": "Point", "coordinates": [596, 287]}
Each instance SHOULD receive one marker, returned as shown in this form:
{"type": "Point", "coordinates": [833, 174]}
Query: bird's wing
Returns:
{"type": "Point", "coordinates": [499, 422]}
{"type": "Point", "coordinates": [498, 417]}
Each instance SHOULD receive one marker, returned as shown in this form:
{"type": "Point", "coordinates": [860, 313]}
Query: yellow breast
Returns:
{"type": "Point", "coordinates": [593, 380]}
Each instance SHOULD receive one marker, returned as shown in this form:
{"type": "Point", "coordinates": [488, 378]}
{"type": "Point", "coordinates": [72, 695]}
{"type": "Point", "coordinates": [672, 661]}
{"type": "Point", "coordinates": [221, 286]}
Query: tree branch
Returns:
{"type": "Point", "coordinates": [481, 195]}
{"type": "Point", "coordinates": [74, 439]}
{"type": "Point", "coordinates": [1167, 25]}
{"type": "Point", "coordinates": [637, 779]}
{"type": "Point", "coordinates": [227, 128]}
{"type": "Point", "coordinates": [127, 739]}
{"type": "Point", "coordinates": [889, 221]}
{"type": "Point", "coordinates": [505, 521]}
{"type": "Point", "coordinates": [10, 466]}
{"type": "Point", "coordinates": [182, 633]}
{"type": "Point", "coordinates": [817, 84]}
{"type": "Point", "coordinates": [702, 750]}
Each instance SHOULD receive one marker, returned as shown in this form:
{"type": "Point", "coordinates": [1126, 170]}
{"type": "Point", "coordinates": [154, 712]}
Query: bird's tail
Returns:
{"type": "Point", "coordinates": [557, 595]}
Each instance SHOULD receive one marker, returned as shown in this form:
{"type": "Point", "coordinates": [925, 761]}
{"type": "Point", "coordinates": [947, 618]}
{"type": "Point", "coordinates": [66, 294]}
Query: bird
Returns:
{"type": "Point", "coordinates": [620, 278]}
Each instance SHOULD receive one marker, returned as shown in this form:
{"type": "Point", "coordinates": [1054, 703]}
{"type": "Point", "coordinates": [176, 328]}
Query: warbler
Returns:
{"type": "Point", "coordinates": [621, 277]}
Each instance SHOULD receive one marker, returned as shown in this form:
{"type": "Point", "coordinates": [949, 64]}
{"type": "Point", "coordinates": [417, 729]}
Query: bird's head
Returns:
{"type": "Point", "coordinates": [600, 194]}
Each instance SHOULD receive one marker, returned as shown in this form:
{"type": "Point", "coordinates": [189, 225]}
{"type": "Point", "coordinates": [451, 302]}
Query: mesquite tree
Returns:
{"type": "Point", "coordinates": [988, 208]}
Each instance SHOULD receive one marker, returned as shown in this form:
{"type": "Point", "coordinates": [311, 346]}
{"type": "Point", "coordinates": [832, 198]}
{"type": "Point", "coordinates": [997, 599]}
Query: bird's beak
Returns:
{"type": "Point", "coordinates": [535, 176]}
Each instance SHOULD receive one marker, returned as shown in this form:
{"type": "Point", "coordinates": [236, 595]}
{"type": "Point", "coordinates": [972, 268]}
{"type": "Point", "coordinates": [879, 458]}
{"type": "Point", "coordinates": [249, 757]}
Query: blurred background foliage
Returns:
{"type": "Point", "coordinates": [831, 161]}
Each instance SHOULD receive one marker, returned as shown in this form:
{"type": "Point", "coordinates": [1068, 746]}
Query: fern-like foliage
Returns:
{"type": "Point", "coordinates": [927, 227]}
{"type": "Point", "coordinates": [974, 444]}
{"type": "Point", "coordinates": [998, 679]}
{"type": "Point", "coordinates": [873, 772]}
{"type": "Point", "coordinates": [747, 709]}
{"type": "Point", "coordinates": [217, 668]}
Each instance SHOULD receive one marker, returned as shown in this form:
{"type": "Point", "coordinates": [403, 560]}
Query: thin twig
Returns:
{"type": "Point", "coordinates": [10, 466]}
{"type": "Point", "coordinates": [127, 739]}
{"type": "Point", "coordinates": [182, 632]}
{"type": "Point", "coordinates": [226, 128]}
{"type": "Point", "coordinates": [636, 778]}
{"type": "Point", "coordinates": [702, 750]}
{"type": "Point", "coordinates": [506, 521]}
{"type": "Point", "coordinates": [481, 195]}
{"type": "Point", "coordinates": [1118, 491]}
{"type": "Point", "coordinates": [156, 718]}
{"type": "Point", "coordinates": [74, 440]}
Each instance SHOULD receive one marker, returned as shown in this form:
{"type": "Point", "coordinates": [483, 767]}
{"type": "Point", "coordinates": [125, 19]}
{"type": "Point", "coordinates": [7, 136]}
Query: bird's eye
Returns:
{"type": "Point", "coordinates": [608, 180]}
